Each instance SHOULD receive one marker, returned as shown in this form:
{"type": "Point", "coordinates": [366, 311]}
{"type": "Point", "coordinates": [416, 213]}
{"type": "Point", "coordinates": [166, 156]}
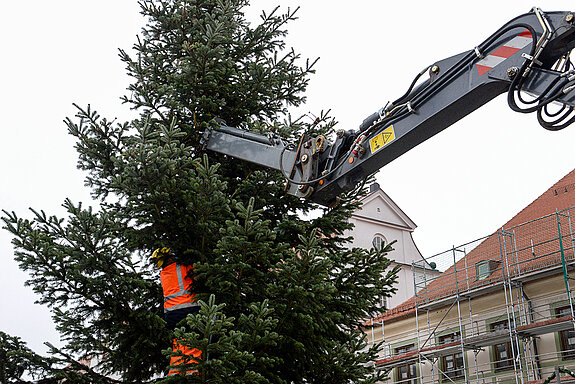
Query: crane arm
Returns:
{"type": "Point", "coordinates": [527, 56]}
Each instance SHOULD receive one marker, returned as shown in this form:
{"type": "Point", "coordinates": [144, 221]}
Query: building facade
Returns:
{"type": "Point", "coordinates": [380, 221]}
{"type": "Point", "coordinates": [502, 310]}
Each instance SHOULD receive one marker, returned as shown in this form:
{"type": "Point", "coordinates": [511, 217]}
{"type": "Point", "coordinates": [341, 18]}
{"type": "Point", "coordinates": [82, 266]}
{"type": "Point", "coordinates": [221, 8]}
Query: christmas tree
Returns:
{"type": "Point", "coordinates": [282, 297]}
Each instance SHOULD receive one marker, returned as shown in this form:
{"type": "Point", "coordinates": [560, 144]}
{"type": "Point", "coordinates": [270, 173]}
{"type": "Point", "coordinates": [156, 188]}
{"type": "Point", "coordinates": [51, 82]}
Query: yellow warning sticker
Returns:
{"type": "Point", "coordinates": [381, 140]}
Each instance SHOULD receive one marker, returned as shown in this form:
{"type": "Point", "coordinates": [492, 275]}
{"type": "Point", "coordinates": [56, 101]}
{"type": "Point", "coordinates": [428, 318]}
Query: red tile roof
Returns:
{"type": "Point", "coordinates": [531, 242]}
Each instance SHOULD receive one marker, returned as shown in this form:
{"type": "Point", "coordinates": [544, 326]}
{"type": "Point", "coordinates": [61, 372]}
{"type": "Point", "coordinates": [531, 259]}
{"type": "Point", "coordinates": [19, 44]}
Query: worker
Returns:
{"type": "Point", "coordinates": [179, 302]}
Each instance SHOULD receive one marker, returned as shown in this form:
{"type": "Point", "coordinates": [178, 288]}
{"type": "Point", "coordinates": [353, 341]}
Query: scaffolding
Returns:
{"type": "Point", "coordinates": [501, 311]}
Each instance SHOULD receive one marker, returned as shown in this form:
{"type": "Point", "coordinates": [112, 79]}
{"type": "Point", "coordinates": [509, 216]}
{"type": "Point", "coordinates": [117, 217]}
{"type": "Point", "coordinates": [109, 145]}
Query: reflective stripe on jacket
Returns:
{"type": "Point", "coordinates": [177, 287]}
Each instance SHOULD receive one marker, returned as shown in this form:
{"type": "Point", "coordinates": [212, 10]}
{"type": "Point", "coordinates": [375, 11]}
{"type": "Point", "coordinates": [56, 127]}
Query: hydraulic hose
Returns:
{"type": "Point", "coordinates": [541, 96]}
{"type": "Point", "coordinates": [555, 114]}
{"type": "Point", "coordinates": [402, 98]}
{"type": "Point", "coordinates": [428, 91]}
{"type": "Point", "coordinates": [553, 125]}
{"type": "Point", "coordinates": [551, 94]}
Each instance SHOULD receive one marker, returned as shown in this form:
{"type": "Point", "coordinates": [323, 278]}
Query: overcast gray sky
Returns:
{"type": "Point", "coordinates": [458, 186]}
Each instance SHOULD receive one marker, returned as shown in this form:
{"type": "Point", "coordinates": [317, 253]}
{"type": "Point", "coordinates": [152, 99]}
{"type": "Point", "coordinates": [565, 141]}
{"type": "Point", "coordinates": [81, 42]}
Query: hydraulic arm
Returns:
{"type": "Point", "coordinates": [528, 58]}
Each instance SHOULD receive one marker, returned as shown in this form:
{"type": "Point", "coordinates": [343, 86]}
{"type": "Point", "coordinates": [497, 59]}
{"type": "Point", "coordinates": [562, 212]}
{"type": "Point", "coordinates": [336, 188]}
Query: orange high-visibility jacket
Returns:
{"type": "Point", "coordinates": [193, 354]}
{"type": "Point", "coordinates": [177, 287]}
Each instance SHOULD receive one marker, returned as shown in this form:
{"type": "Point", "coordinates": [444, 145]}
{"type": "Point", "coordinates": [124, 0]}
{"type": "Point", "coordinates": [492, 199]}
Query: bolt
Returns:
{"type": "Point", "coordinates": [435, 69]}
{"type": "Point", "coordinates": [307, 144]}
{"type": "Point", "coordinates": [569, 18]}
{"type": "Point", "coordinates": [302, 187]}
{"type": "Point", "coordinates": [304, 158]}
{"type": "Point", "coordinates": [512, 72]}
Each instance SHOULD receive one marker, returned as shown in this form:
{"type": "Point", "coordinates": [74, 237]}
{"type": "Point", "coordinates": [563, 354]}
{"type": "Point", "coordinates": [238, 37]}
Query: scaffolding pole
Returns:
{"type": "Point", "coordinates": [519, 260]}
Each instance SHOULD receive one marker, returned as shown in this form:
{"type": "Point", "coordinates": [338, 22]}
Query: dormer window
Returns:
{"type": "Point", "coordinates": [485, 268]}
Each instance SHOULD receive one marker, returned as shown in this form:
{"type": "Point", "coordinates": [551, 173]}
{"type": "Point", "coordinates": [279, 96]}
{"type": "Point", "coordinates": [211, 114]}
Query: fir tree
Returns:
{"type": "Point", "coordinates": [282, 298]}
{"type": "Point", "coordinates": [16, 359]}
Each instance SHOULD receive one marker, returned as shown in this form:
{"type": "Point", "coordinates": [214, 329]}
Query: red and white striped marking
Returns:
{"type": "Point", "coordinates": [504, 52]}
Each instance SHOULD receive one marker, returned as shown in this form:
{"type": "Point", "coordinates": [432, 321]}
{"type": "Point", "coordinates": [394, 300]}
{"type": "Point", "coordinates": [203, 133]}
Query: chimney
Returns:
{"type": "Point", "coordinates": [374, 188]}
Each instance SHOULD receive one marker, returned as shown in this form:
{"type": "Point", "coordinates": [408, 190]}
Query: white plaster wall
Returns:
{"type": "Point", "coordinates": [362, 238]}
{"type": "Point", "coordinates": [365, 231]}
{"type": "Point", "coordinates": [377, 209]}
{"type": "Point", "coordinates": [405, 251]}
{"type": "Point", "coordinates": [379, 216]}
{"type": "Point", "coordinates": [404, 287]}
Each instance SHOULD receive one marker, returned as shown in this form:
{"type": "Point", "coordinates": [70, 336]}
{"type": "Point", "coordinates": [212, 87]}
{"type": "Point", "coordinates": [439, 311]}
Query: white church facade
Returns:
{"type": "Point", "coordinates": [378, 221]}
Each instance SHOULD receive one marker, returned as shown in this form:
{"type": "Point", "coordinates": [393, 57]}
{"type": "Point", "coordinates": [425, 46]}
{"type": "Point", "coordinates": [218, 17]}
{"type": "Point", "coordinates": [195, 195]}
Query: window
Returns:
{"type": "Point", "coordinates": [452, 365]}
{"type": "Point", "coordinates": [567, 337]}
{"type": "Point", "coordinates": [485, 268]}
{"type": "Point", "coordinates": [383, 303]}
{"type": "Point", "coordinates": [378, 242]}
{"type": "Point", "coordinates": [502, 353]}
{"type": "Point", "coordinates": [407, 373]}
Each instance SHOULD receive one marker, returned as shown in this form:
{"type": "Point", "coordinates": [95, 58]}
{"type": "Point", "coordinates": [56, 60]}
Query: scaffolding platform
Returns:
{"type": "Point", "coordinates": [491, 298]}
{"type": "Point", "coordinates": [548, 326]}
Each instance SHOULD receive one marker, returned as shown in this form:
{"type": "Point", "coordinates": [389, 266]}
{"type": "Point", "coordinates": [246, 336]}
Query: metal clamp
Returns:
{"type": "Point", "coordinates": [478, 53]}
{"type": "Point", "coordinates": [568, 89]}
{"type": "Point", "coordinates": [541, 43]}
{"type": "Point", "coordinates": [531, 58]}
